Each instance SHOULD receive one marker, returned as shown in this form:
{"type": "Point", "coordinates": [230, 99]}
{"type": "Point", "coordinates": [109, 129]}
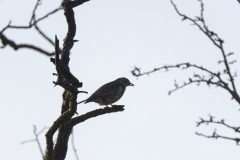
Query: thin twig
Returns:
{"type": "Point", "coordinates": [36, 139]}
{"type": "Point", "coordinates": [215, 135]}
{"type": "Point", "coordinates": [36, 21]}
{"type": "Point", "coordinates": [73, 146]}
{"type": "Point", "coordinates": [222, 122]}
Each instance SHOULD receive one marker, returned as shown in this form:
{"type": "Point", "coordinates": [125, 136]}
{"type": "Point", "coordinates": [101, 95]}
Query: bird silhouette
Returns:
{"type": "Point", "coordinates": [109, 93]}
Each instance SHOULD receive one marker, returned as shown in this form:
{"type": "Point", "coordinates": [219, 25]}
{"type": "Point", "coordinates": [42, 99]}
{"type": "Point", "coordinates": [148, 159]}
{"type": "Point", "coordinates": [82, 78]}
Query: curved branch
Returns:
{"type": "Point", "coordinates": [95, 113]}
{"type": "Point", "coordinates": [36, 21]}
{"type": "Point", "coordinates": [215, 135]}
{"type": "Point", "coordinates": [217, 41]}
{"type": "Point", "coordinates": [6, 41]}
{"type": "Point", "coordinates": [32, 22]}
{"type": "Point", "coordinates": [41, 33]}
{"type": "Point", "coordinates": [198, 81]}
{"type": "Point", "coordinates": [70, 83]}
{"type": "Point", "coordinates": [222, 122]}
{"type": "Point", "coordinates": [55, 126]}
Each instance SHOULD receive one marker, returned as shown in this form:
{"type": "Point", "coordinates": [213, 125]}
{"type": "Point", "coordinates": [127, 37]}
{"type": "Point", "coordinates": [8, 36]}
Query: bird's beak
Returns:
{"type": "Point", "coordinates": [131, 84]}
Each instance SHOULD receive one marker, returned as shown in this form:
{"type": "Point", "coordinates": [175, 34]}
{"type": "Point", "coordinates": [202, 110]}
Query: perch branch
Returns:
{"type": "Point", "coordinates": [95, 113]}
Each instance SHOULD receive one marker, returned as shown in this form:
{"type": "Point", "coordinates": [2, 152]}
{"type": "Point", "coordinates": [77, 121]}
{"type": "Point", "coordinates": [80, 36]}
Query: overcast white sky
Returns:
{"type": "Point", "coordinates": [114, 36]}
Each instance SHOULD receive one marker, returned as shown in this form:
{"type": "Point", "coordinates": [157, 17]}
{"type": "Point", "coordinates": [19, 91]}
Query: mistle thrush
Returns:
{"type": "Point", "coordinates": [109, 93]}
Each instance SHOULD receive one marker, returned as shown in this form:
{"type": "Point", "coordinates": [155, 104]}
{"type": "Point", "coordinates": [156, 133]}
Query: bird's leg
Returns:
{"type": "Point", "coordinates": [106, 106]}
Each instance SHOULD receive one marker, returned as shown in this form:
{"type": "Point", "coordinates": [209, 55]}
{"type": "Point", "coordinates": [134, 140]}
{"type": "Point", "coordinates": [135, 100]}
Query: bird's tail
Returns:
{"type": "Point", "coordinates": [81, 101]}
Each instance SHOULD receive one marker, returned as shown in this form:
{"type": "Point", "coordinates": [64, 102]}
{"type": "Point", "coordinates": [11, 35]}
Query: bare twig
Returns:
{"type": "Point", "coordinates": [215, 135]}
{"type": "Point", "coordinates": [39, 2]}
{"type": "Point", "coordinates": [73, 146]}
{"type": "Point", "coordinates": [1, 32]}
{"type": "Point", "coordinates": [33, 22]}
{"type": "Point", "coordinates": [36, 139]}
{"type": "Point", "coordinates": [44, 35]}
{"type": "Point", "coordinates": [222, 122]}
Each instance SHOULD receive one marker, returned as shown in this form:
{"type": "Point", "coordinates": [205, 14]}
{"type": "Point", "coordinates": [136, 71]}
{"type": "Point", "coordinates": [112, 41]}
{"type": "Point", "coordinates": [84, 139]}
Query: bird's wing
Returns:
{"type": "Point", "coordinates": [105, 90]}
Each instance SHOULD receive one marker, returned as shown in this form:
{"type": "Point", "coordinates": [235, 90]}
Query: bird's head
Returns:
{"type": "Point", "coordinates": [124, 81]}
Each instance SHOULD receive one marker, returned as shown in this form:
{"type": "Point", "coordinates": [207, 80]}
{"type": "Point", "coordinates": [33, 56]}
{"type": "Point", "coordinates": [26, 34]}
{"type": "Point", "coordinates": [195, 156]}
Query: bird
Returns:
{"type": "Point", "coordinates": [109, 93]}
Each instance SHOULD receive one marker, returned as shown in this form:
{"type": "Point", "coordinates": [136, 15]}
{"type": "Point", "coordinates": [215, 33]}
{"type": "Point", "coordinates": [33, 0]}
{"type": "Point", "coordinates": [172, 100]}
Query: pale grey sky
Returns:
{"type": "Point", "coordinates": [114, 36]}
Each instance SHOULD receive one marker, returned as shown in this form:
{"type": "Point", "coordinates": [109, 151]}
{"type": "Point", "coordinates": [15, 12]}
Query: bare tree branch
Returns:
{"type": "Point", "coordinates": [33, 22]}
{"type": "Point", "coordinates": [222, 122]}
{"type": "Point", "coordinates": [95, 113]}
{"type": "Point", "coordinates": [209, 77]}
{"type": "Point", "coordinates": [44, 35]}
{"type": "Point", "coordinates": [70, 83]}
{"type": "Point", "coordinates": [218, 42]}
{"type": "Point", "coordinates": [36, 139]}
{"type": "Point", "coordinates": [6, 41]}
{"type": "Point", "coordinates": [215, 135]}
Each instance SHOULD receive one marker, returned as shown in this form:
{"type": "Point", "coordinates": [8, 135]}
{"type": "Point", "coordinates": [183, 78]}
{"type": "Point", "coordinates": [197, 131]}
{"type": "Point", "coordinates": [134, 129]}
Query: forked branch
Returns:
{"type": "Point", "coordinates": [215, 135]}
{"type": "Point", "coordinates": [32, 22]}
{"type": "Point", "coordinates": [210, 77]}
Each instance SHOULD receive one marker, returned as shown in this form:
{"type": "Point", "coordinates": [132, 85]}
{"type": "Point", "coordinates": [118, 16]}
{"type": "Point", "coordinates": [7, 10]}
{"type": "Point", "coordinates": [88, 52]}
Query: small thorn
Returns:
{"type": "Point", "coordinates": [82, 92]}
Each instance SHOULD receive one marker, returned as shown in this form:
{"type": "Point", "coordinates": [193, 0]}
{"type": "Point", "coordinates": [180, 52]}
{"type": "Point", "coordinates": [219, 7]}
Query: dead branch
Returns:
{"type": "Point", "coordinates": [36, 138]}
{"type": "Point", "coordinates": [32, 22]}
{"type": "Point", "coordinates": [214, 78]}
{"type": "Point", "coordinates": [209, 77]}
{"type": "Point", "coordinates": [95, 113]}
{"type": "Point", "coordinates": [215, 135]}
{"type": "Point", "coordinates": [6, 41]}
